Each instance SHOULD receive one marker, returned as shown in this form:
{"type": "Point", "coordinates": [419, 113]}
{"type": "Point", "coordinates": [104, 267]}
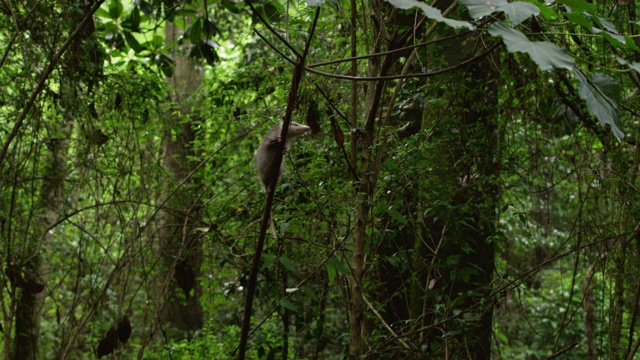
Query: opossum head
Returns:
{"type": "Point", "coordinates": [296, 130]}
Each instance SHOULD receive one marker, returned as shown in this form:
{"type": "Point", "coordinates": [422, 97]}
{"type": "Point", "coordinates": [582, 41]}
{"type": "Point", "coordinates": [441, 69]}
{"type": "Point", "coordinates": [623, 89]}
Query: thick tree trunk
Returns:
{"type": "Point", "coordinates": [180, 249]}
{"type": "Point", "coordinates": [475, 161]}
{"type": "Point", "coordinates": [30, 297]}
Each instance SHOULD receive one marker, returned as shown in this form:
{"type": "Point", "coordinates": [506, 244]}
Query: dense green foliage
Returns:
{"type": "Point", "coordinates": [472, 187]}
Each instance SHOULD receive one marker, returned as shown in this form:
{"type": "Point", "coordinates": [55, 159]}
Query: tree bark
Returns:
{"type": "Point", "coordinates": [30, 297]}
{"type": "Point", "coordinates": [474, 159]}
{"type": "Point", "coordinates": [179, 247]}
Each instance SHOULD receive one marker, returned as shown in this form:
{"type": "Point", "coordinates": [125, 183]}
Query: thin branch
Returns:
{"type": "Point", "coordinates": [273, 31]}
{"type": "Point", "coordinates": [274, 47]}
{"type": "Point", "coordinates": [562, 351]}
{"type": "Point", "coordinates": [386, 326]}
{"type": "Point", "coordinates": [9, 47]}
{"type": "Point", "coordinates": [383, 53]}
{"type": "Point", "coordinates": [333, 107]}
{"type": "Point", "coordinates": [408, 76]}
{"type": "Point", "coordinates": [266, 214]}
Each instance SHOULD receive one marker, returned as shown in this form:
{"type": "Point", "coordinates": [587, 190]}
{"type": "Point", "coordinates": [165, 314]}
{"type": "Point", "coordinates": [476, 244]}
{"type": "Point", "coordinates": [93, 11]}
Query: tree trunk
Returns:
{"type": "Point", "coordinates": [474, 161]}
{"type": "Point", "coordinates": [369, 168]}
{"type": "Point", "coordinates": [465, 193]}
{"type": "Point", "coordinates": [179, 246]}
{"type": "Point", "coordinates": [30, 297]}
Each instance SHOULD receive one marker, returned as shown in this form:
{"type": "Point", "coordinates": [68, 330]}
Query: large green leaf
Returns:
{"type": "Point", "coordinates": [132, 20]}
{"type": "Point", "coordinates": [579, 19]}
{"type": "Point", "coordinates": [602, 95]}
{"type": "Point", "coordinates": [479, 8]}
{"type": "Point", "coordinates": [115, 9]}
{"type": "Point", "coordinates": [548, 56]}
{"type": "Point", "coordinates": [516, 11]}
{"type": "Point", "coordinates": [287, 263]}
{"type": "Point", "coordinates": [430, 12]}
{"type": "Point", "coordinates": [288, 304]}
{"type": "Point", "coordinates": [338, 265]}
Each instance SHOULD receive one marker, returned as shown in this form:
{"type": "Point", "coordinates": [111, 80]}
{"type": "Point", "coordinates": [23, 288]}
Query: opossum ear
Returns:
{"type": "Point", "coordinates": [313, 117]}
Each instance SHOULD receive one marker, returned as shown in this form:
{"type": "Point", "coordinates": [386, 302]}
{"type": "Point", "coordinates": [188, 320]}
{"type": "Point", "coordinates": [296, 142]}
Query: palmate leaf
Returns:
{"type": "Point", "coordinates": [546, 55]}
{"type": "Point", "coordinates": [430, 12]}
{"type": "Point", "coordinates": [602, 95]}
{"type": "Point", "coordinates": [517, 11]}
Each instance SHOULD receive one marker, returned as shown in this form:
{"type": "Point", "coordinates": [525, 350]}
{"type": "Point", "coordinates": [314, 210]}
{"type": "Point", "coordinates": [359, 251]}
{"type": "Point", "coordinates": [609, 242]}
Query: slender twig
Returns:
{"type": "Point", "coordinates": [274, 47]}
{"type": "Point", "coordinates": [562, 351]}
{"type": "Point", "coordinates": [386, 326]}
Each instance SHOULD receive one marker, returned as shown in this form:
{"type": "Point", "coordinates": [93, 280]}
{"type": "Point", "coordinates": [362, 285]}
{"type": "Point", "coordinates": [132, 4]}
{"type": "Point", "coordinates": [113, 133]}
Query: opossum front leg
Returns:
{"type": "Point", "coordinates": [279, 140]}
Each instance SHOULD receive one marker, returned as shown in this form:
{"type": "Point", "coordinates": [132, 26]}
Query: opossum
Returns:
{"type": "Point", "coordinates": [266, 156]}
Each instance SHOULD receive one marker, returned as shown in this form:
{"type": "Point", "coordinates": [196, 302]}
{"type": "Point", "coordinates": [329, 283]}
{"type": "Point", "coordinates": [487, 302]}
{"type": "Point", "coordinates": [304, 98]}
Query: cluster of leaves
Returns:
{"type": "Point", "coordinates": [601, 93]}
{"type": "Point", "coordinates": [136, 30]}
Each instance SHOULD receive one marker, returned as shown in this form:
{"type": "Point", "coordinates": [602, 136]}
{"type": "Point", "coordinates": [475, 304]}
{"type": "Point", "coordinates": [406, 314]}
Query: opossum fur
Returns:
{"type": "Point", "coordinates": [266, 155]}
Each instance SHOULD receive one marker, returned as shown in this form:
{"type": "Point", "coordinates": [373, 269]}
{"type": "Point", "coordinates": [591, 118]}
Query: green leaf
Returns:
{"type": "Point", "coordinates": [396, 215]}
{"type": "Point", "coordinates": [195, 31]}
{"type": "Point", "coordinates": [546, 55]}
{"type": "Point", "coordinates": [102, 13]}
{"type": "Point", "coordinates": [480, 8]}
{"type": "Point", "coordinates": [522, 218]}
{"type": "Point", "coordinates": [210, 28]}
{"type": "Point", "coordinates": [145, 7]}
{"type": "Point", "coordinates": [606, 24]}
{"type": "Point", "coordinates": [601, 94]}
{"type": "Point", "coordinates": [267, 260]}
{"type": "Point", "coordinates": [546, 11]}
{"type": "Point", "coordinates": [505, 208]}
{"type": "Point", "coordinates": [517, 11]}
{"type": "Point", "coordinates": [288, 304]}
{"type": "Point", "coordinates": [338, 265]}
{"type": "Point", "coordinates": [579, 19]}
{"type": "Point", "coordinates": [165, 63]}
{"type": "Point", "coordinates": [205, 50]}
{"type": "Point", "coordinates": [430, 12]}
{"type": "Point", "coordinates": [579, 6]}
{"type": "Point", "coordinates": [310, 293]}
{"type": "Point", "coordinates": [331, 273]}
{"type": "Point", "coordinates": [631, 44]}
{"type": "Point", "coordinates": [132, 20]}
{"type": "Point", "coordinates": [133, 43]}
{"type": "Point", "coordinates": [230, 6]}
{"type": "Point", "coordinates": [613, 39]}
{"type": "Point", "coordinates": [115, 9]}
{"type": "Point", "coordinates": [287, 263]}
